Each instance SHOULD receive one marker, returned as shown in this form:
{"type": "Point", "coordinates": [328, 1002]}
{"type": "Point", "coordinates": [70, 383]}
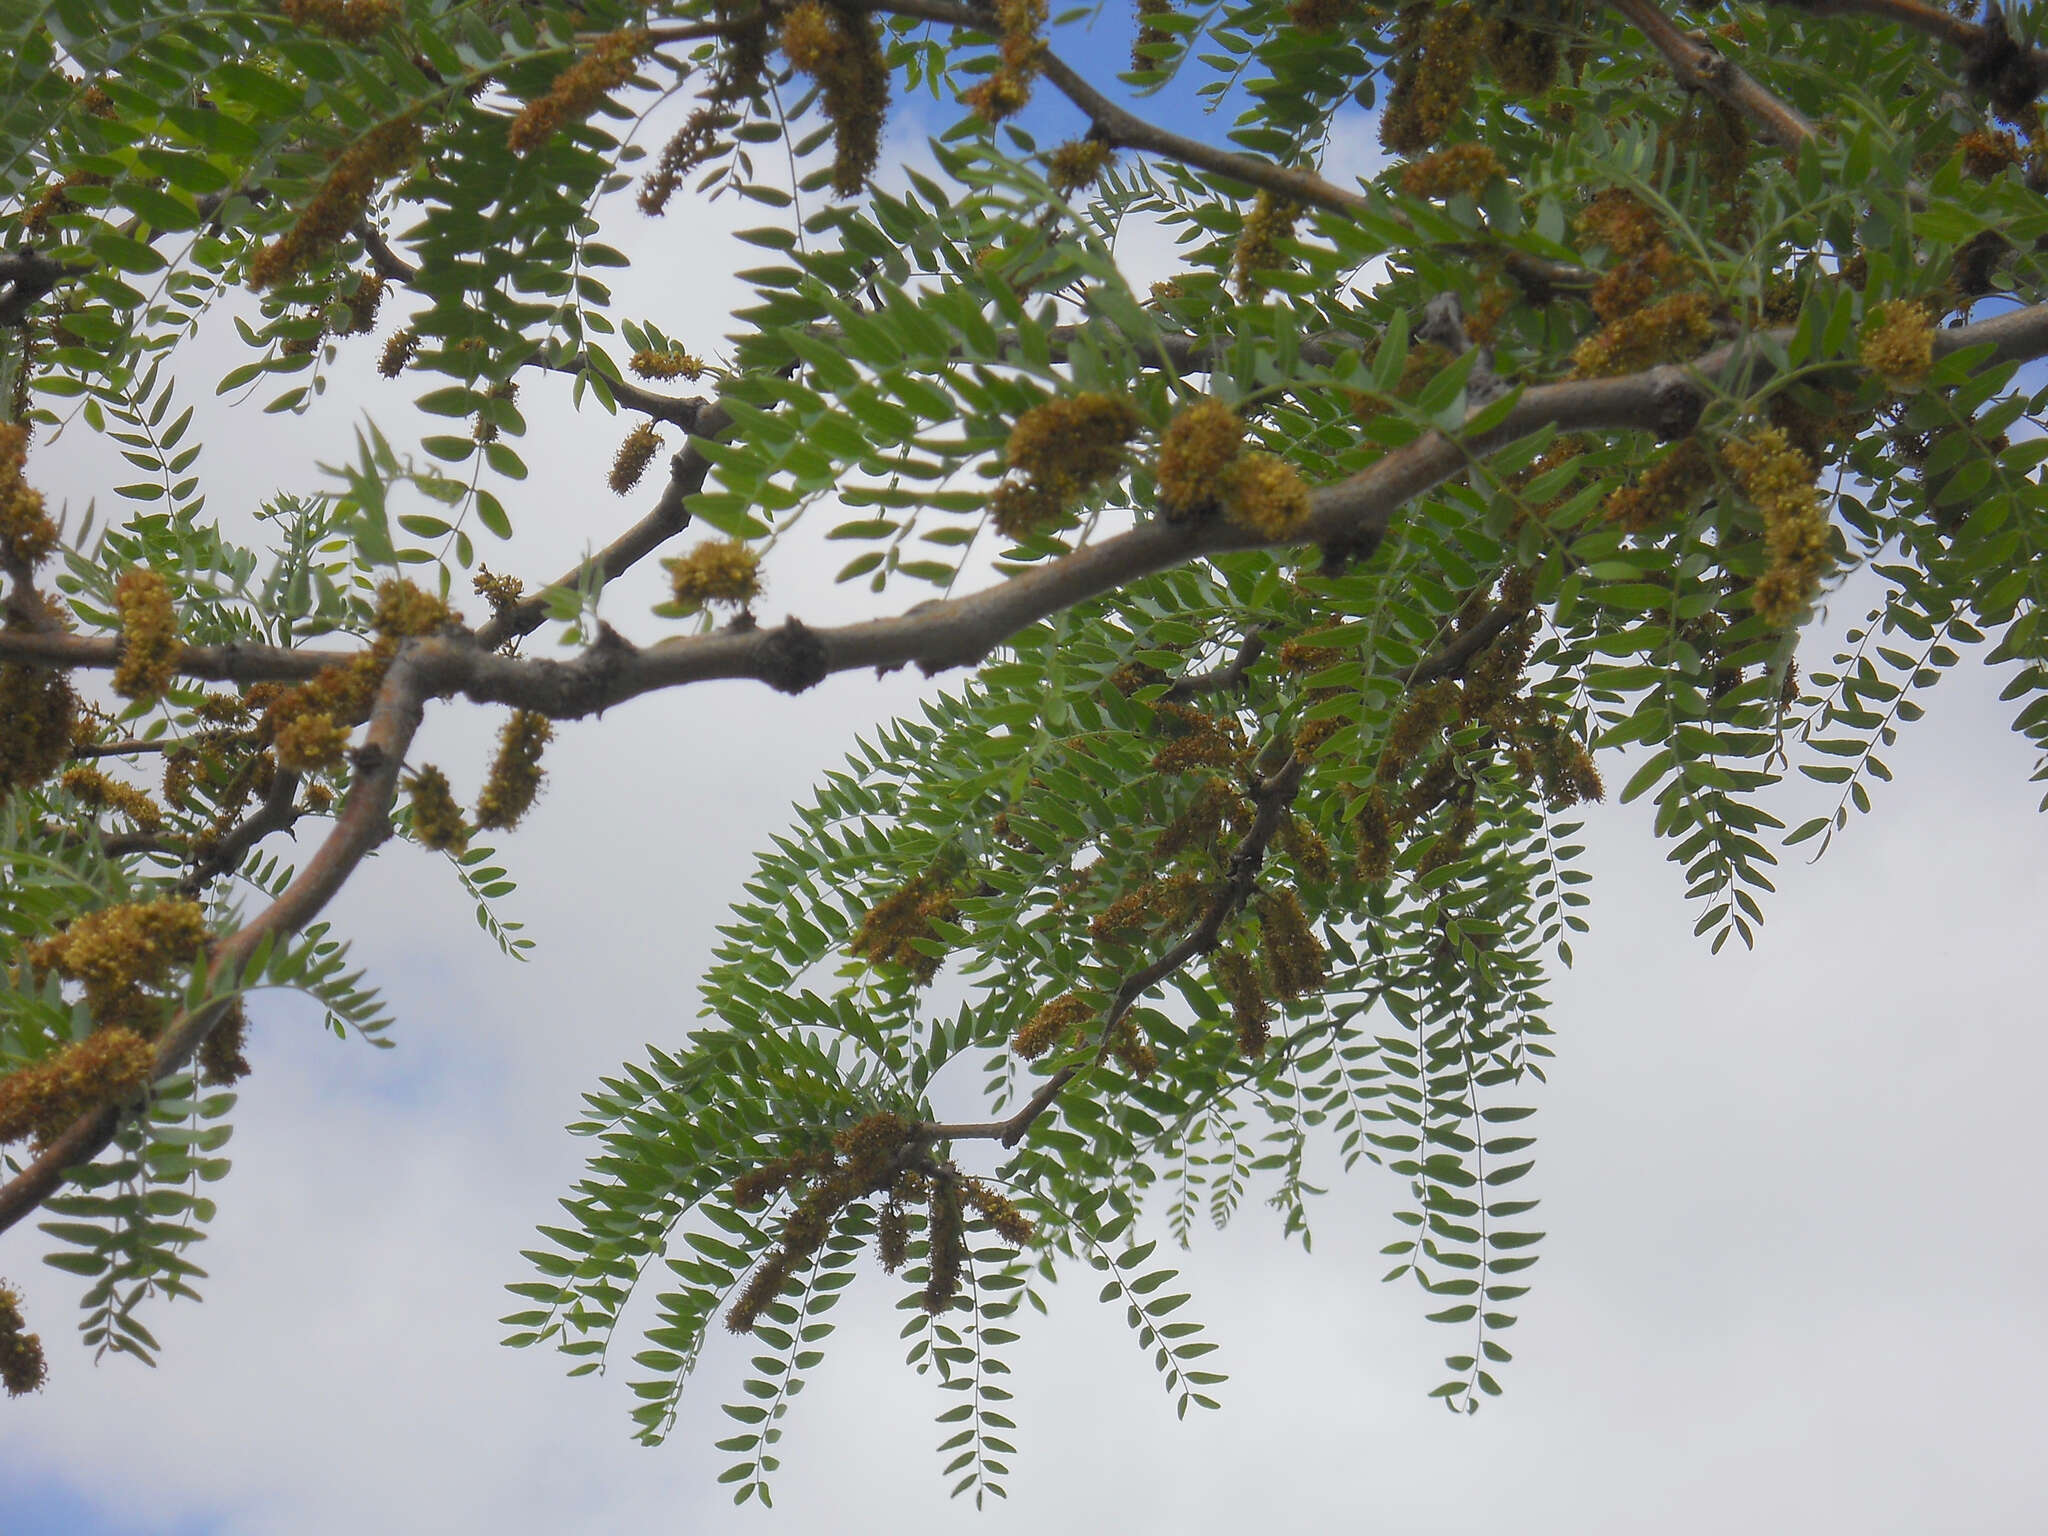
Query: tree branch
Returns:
{"type": "Point", "coordinates": [1700, 66]}
{"type": "Point", "coordinates": [1352, 514]}
{"type": "Point", "coordinates": [364, 822]}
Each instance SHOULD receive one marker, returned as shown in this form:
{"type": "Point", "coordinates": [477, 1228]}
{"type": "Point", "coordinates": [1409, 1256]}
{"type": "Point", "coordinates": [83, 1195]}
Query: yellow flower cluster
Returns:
{"type": "Point", "coordinates": [120, 952]}
{"type": "Point", "coordinates": [436, 819]}
{"type": "Point", "coordinates": [358, 171]}
{"type": "Point", "coordinates": [635, 454]}
{"type": "Point", "coordinates": [97, 792]}
{"type": "Point", "coordinates": [37, 713]}
{"type": "Point", "coordinates": [1293, 954]}
{"type": "Point", "coordinates": [1898, 343]}
{"type": "Point", "coordinates": [578, 89]}
{"type": "Point", "coordinates": [1197, 446]}
{"type": "Point", "coordinates": [717, 571]}
{"type": "Point", "coordinates": [501, 592]}
{"type": "Point", "coordinates": [1077, 163]}
{"type": "Point", "coordinates": [1778, 480]}
{"type": "Point", "coordinates": [515, 777]}
{"type": "Point", "coordinates": [149, 634]}
{"type": "Point", "coordinates": [670, 363]}
{"type": "Point", "coordinates": [1265, 494]}
{"type": "Point", "coordinates": [1986, 152]}
{"type": "Point", "coordinates": [1063, 448]}
{"type": "Point", "coordinates": [999, 1211]}
{"type": "Point", "coordinates": [1271, 221]}
{"type": "Point", "coordinates": [22, 1366]}
{"type": "Point", "coordinates": [1197, 740]}
{"type": "Point", "coordinates": [837, 48]}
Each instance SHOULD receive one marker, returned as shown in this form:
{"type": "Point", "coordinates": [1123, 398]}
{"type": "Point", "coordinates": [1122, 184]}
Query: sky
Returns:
{"type": "Point", "coordinates": [1795, 1250]}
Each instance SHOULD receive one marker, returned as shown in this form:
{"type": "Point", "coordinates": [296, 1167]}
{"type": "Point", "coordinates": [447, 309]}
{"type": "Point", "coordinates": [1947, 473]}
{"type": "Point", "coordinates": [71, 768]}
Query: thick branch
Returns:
{"type": "Point", "coordinates": [1353, 514]}
{"type": "Point", "coordinates": [1701, 66]}
{"type": "Point", "coordinates": [364, 822]}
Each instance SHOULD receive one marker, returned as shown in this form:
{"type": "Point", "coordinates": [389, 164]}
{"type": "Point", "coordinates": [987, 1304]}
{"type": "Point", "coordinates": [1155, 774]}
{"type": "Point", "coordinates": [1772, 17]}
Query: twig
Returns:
{"type": "Point", "coordinates": [364, 822]}
{"type": "Point", "coordinates": [1701, 66]}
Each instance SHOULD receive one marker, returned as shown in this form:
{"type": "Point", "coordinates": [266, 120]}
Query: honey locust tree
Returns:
{"type": "Point", "coordinates": [1291, 605]}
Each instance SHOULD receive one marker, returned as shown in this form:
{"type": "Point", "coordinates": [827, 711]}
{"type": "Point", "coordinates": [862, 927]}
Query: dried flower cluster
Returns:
{"type": "Point", "coordinates": [1076, 164]}
{"type": "Point", "coordinates": [1045, 1028]}
{"type": "Point", "coordinates": [898, 930]}
{"type": "Point", "coordinates": [1005, 92]}
{"type": "Point", "coordinates": [342, 199]}
{"type": "Point", "coordinates": [577, 90]}
{"type": "Point", "coordinates": [348, 21]}
{"type": "Point", "coordinates": [837, 47]}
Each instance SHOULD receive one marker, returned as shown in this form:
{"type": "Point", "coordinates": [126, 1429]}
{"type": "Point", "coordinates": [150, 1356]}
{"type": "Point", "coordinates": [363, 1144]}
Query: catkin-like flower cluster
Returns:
{"type": "Point", "coordinates": [1448, 171]}
{"type": "Point", "coordinates": [97, 792]}
{"type": "Point", "coordinates": [1440, 53]}
{"type": "Point", "coordinates": [149, 634]}
{"type": "Point", "coordinates": [578, 89]}
{"type": "Point", "coordinates": [38, 711]}
{"type": "Point", "coordinates": [838, 48]}
{"type": "Point", "coordinates": [358, 171]}
{"type": "Point", "coordinates": [22, 1367]}
{"type": "Point", "coordinates": [436, 818]}
{"type": "Point", "coordinates": [1197, 446]}
{"type": "Point", "coordinates": [398, 351]}
{"type": "Point", "coordinates": [1523, 58]}
{"type": "Point", "coordinates": [1293, 954]}
{"type": "Point", "coordinates": [1778, 480]}
{"type": "Point", "coordinates": [1237, 978]}
{"type": "Point", "coordinates": [515, 777]}
{"type": "Point", "coordinates": [1062, 449]}
{"type": "Point", "coordinates": [635, 454]}
{"type": "Point", "coordinates": [726, 571]}
{"type": "Point", "coordinates": [27, 535]}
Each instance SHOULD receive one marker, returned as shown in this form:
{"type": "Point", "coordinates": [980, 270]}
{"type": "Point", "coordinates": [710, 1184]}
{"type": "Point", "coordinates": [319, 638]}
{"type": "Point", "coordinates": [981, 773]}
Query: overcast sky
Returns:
{"type": "Point", "coordinates": [1794, 1271]}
